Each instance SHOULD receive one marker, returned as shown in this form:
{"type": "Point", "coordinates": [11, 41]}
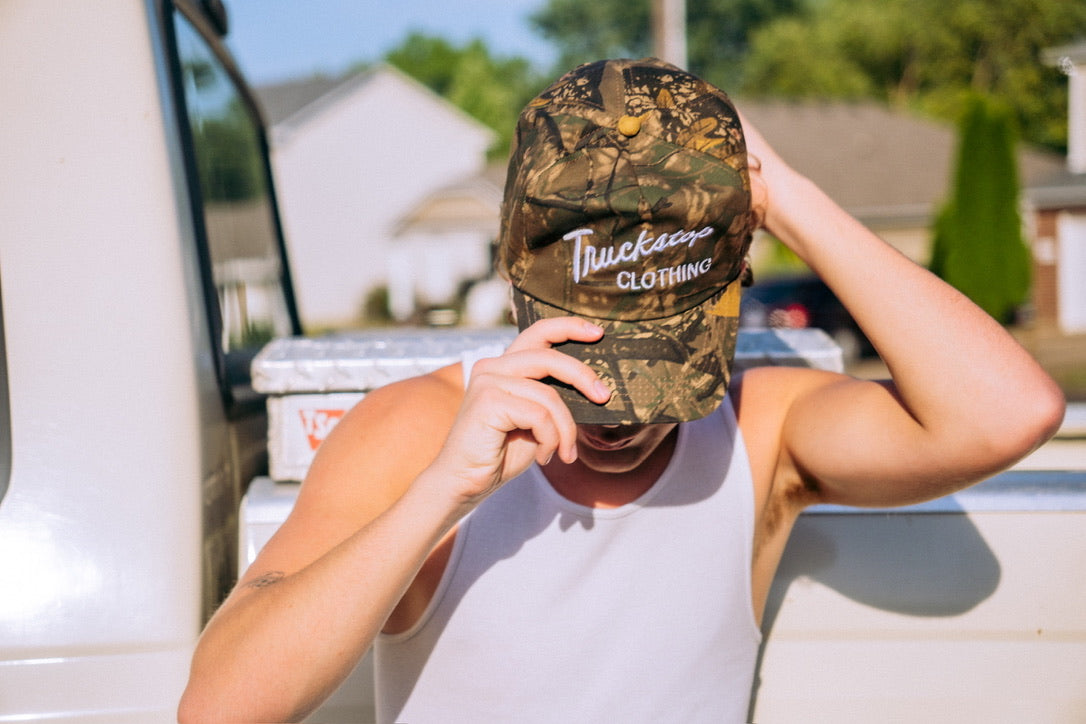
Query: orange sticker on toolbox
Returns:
{"type": "Point", "coordinates": [318, 424]}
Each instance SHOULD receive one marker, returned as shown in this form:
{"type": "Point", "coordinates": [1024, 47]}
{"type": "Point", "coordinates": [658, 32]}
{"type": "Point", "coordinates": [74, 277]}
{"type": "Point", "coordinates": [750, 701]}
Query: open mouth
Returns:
{"type": "Point", "coordinates": [608, 443]}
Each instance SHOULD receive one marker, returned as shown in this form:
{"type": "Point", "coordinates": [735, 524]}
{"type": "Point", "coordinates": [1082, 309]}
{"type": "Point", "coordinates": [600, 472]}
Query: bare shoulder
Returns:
{"type": "Point", "coordinates": [763, 398]}
{"type": "Point", "coordinates": [401, 424]}
{"type": "Point", "coordinates": [365, 464]}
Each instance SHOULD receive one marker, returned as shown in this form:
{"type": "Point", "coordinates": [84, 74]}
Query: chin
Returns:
{"type": "Point", "coordinates": [619, 449]}
{"type": "Point", "coordinates": [613, 462]}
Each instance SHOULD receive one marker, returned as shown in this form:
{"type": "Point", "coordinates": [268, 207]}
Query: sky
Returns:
{"type": "Point", "coordinates": [275, 40]}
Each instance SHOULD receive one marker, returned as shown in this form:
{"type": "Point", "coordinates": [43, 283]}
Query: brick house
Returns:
{"type": "Point", "coordinates": [1058, 205]}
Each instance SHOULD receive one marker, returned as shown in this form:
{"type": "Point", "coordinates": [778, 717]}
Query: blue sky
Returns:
{"type": "Point", "coordinates": [280, 39]}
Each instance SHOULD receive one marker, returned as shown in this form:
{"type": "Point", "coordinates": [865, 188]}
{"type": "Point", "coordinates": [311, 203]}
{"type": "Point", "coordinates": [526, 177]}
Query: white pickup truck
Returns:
{"type": "Point", "coordinates": [141, 269]}
{"type": "Point", "coordinates": [967, 608]}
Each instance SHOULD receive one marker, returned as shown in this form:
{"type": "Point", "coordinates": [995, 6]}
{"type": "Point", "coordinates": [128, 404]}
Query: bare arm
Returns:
{"type": "Point", "coordinates": [394, 477]}
{"type": "Point", "coordinates": [965, 399]}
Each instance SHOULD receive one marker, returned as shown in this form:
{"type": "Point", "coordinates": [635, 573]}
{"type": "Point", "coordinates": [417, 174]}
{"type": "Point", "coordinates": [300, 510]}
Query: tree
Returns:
{"type": "Point", "coordinates": [717, 31]}
{"type": "Point", "coordinates": [587, 31]}
{"type": "Point", "coordinates": [978, 245]}
{"type": "Point", "coordinates": [918, 53]}
{"type": "Point", "coordinates": [924, 54]}
{"type": "Point", "coordinates": [491, 90]}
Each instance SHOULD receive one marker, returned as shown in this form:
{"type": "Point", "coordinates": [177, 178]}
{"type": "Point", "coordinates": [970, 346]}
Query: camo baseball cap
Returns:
{"type": "Point", "coordinates": [627, 203]}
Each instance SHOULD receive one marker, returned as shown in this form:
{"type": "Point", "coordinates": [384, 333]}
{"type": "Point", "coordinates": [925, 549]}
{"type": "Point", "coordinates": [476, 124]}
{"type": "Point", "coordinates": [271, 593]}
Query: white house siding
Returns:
{"type": "Point", "coordinates": [347, 167]}
{"type": "Point", "coordinates": [1071, 284]}
{"type": "Point", "coordinates": [427, 269]}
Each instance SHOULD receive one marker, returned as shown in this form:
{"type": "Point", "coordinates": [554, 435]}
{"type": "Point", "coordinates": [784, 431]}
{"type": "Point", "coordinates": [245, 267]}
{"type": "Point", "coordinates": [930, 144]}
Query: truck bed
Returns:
{"type": "Point", "coordinates": [965, 608]}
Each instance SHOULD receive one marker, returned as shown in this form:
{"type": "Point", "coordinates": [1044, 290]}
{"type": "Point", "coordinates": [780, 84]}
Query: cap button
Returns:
{"type": "Point", "coordinates": [629, 125]}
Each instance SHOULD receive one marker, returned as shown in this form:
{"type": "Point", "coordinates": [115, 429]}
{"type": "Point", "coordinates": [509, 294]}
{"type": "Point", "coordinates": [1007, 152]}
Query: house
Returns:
{"type": "Point", "coordinates": [444, 244]}
{"type": "Point", "coordinates": [383, 184]}
{"type": "Point", "coordinates": [1058, 203]}
{"type": "Point", "coordinates": [891, 170]}
{"type": "Point", "coordinates": [352, 158]}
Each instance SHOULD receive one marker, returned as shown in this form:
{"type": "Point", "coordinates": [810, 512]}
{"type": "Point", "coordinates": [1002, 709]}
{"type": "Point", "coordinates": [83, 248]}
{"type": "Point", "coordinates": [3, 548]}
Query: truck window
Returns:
{"type": "Point", "coordinates": [249, 291]}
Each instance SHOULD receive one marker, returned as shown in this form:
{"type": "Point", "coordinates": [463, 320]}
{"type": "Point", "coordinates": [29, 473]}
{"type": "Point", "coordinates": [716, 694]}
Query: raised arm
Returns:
{"type": "Point", "coordinates": [389, 483]}
{"type": "Point", "coordinates": [965, 400]}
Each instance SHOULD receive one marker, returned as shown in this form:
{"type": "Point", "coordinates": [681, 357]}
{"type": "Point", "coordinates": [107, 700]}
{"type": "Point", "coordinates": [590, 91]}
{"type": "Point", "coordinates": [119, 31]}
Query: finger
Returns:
{"type": "Point", "coordinates": [523, 415]}
{"type": "Point", "coordinates": [759, 196]}
{"type": "Point", "coordinates": [538, 364]}
{"type": "Point", "coordinates": [549, 332]}
{"type": "Point", "coordinates": [503, 391]}
{"type": "Point", "coordinates": [526, 429]}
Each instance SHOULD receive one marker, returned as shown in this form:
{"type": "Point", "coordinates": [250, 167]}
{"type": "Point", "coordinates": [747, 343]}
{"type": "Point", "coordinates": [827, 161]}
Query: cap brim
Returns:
{"type": "Point", "coordinates": [673, 369]}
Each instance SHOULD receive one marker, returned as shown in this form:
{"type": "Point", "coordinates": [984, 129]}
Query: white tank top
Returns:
{"type": "Point", "coordinates": [550, 611]}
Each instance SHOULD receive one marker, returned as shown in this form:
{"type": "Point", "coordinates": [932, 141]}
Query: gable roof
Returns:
{"type": "Point", "coordinates": [282, 100]}
{"type": "Point", "coordinates": [1063, 189]}
{"type": "Point", "coordinates": [470, 204]}
{"type": "Point", "coordinates": [291, 104]}
{"type": "Point", "coordinates": [884, 166]}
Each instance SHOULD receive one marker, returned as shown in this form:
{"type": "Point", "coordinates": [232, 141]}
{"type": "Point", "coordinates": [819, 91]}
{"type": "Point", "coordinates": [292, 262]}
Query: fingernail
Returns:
{"type": "Point", "coordinates": [593, 328]}
{"type": "Point", "coordinates": [602, 390]}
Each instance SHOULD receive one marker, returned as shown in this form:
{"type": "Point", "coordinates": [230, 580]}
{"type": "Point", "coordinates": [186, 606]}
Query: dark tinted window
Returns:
{"type": "Point", "coordinates": [251, 304]}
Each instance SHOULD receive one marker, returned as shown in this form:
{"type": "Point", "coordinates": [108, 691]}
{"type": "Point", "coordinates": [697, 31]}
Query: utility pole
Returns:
{"type": "Point", "coordinates": [669, 31]}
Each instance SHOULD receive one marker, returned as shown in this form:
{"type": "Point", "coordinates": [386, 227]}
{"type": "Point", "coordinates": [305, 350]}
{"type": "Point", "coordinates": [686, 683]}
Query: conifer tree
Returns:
{"type": "Point", "coordinates": [978, 245]}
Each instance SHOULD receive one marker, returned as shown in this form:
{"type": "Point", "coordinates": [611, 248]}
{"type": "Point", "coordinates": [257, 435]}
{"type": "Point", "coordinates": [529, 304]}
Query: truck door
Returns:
{"type": "Point", "coordinates": [245, 278]}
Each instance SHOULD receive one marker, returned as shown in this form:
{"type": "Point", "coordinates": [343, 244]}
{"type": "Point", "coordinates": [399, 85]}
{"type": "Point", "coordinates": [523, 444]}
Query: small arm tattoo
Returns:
{"type": "Point", "coordinates": [266, 579]}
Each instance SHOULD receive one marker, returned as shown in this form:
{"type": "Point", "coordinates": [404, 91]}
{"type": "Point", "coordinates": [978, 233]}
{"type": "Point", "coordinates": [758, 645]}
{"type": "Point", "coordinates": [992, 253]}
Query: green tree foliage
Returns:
{"type": "Point", "coordinates": [839, 50]}
{"type": "Point", "coordinates": [227, 167]}
{"type": "Point", "coordinates": [586, 31]}
{"type": "Point", "coordinates": [923, 53]}
{"type": "Point", "coordinates": [978, 245]}
{"type": "Point", "coordinates": [718, 34]}
{"type": "Point", "coordinates": [224, 137]}
{"type": "Point", "coordinates": [717, 31]}
{"type": "Point", "coordinates": [490, 89]}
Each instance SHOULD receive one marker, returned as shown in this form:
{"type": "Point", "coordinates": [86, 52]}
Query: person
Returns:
{"type": "Point", "coordinates": [587, 525]}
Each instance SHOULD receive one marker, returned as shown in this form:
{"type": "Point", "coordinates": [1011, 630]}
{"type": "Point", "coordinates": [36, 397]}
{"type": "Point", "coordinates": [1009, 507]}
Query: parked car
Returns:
{"type": "Point", "coordinates": [798, 302]}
